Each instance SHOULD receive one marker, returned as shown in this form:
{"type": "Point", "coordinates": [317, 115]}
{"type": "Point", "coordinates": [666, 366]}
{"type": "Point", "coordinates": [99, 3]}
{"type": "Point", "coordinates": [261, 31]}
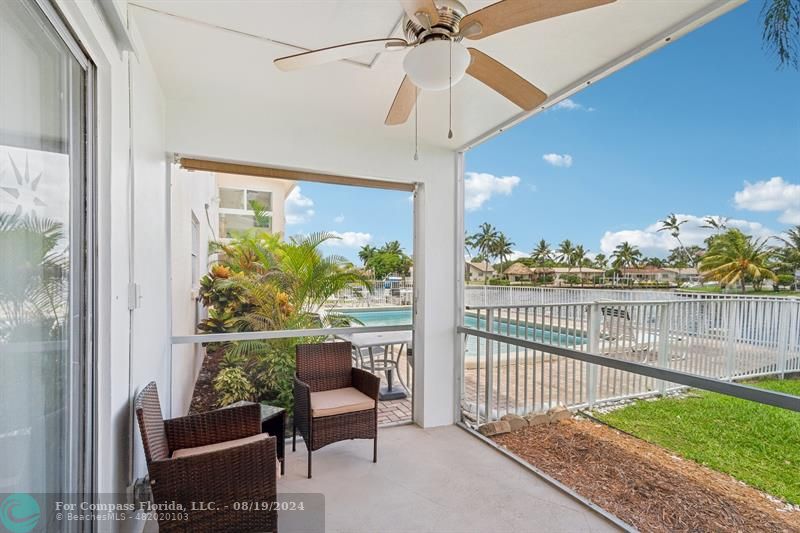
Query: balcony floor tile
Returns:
{"type": "Point", "coordinates": [439, 479]}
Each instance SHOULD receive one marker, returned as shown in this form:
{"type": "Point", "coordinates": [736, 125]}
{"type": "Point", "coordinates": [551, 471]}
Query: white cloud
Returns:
{"type": "Point", "coordinates": [774, 194]}
{"type": "Point", "coordinates": [338, 219]}
{"type": "Point", "coordinates": [558, 160]}
{"type": "Point", "coordinates": [299, 208]}
{"type": "Point", "coordinates": [479, 187]}
{"type": "Point", "coordinates": [571, 105]}
{"type": "Point", "coordinates": [516, 254]}
{"type": "Point", "coordinates": [653, 242]}
{"type": "Point", "coordinates": [349, 239]}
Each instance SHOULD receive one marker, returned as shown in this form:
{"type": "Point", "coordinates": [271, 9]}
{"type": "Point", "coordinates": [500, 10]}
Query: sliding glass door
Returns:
{"type": "Point", "coordinates": [45, 277]}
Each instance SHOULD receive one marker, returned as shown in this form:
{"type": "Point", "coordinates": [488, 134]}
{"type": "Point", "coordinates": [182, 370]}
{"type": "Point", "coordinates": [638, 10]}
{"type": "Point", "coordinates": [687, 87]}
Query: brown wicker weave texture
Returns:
{"type": "Point", "coordinates": [328, 366]}
{"type": "Point", "coordinates": [226, 477]}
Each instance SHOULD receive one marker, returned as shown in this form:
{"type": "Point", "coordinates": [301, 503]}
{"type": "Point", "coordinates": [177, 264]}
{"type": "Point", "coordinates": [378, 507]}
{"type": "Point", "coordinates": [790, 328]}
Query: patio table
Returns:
{"type": "Point", "coordinates": [370, 341]}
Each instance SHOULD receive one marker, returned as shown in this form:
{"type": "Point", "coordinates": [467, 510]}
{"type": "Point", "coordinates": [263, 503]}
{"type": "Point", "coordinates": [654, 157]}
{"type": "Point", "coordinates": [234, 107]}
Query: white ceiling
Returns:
{"type": "Point", "coordinates": [220, 52]}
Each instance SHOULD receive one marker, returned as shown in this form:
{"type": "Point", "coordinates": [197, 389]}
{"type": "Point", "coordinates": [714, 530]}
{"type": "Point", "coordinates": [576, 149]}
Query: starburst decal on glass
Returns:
{"type": "Point", "coordinates": [24, 193]}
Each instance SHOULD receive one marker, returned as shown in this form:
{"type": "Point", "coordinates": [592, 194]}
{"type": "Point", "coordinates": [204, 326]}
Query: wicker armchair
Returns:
{"type": "Point", "coordinates": [332, 400]}
{"type": "Point", "coordinates": [220, 457]}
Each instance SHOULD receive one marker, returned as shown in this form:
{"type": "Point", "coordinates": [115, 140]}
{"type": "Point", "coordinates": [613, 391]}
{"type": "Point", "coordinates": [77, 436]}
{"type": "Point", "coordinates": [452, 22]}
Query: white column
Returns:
{"type": "Point", "coordinates": [437, 266]}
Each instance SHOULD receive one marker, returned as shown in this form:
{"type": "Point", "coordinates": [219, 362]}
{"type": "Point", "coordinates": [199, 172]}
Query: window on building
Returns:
{"type": "Point", "coordinates": [243, 209]}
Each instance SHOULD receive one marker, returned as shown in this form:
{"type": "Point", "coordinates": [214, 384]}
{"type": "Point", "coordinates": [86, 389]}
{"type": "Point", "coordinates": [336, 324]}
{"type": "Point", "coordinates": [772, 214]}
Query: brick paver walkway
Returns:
{"type": "Point", "coordinates": [394, 411]}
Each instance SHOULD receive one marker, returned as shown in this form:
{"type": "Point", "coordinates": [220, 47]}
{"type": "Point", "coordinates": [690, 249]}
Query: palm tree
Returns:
{"type": "Point", "coordinates": [484, 239]}
{"type": "Point", "coordinates": [735, 257]}
{"type": "Point", "coordinates": [626, 255]}
{"type": "Point", "coordinates": [718, 224]}
{"type": "Point", "coordinates": [392, 247]}
{"type": "Point", "coordinates": [673, 225]}
{"type": "Point", "coordinates": [366, 253]}
{"type": "Point", "coordinates": [32, 284]}
{"type": "Point", "coordinates": [789, 254]}
{"type": "Point", "coordinates": [468, 244]}
{"type": "Point", "coordinates": [781, 33]}
{"type": "Point", "coordinates": [577, 257]}
{"type": "Point", "coordinates": [312, 277]}
{"type": "Point", "coordinates": [542, 253]}
{"type": "Point", "coordinates": [601, 261]}
{"type": "Point", "coordinates": [564, 252]}
{"type": "Point", "coordinates": [502, 248]}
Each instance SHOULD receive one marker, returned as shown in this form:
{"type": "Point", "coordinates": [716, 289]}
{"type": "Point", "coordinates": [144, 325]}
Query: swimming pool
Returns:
{"type": "Point", "coordinates": [397, 317]}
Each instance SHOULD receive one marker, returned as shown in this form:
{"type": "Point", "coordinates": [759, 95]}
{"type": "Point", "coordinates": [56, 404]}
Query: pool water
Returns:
{"type": "Point", "coordinates": [397, 317]}
{"type": "Point", "coordinates": [384, 317]}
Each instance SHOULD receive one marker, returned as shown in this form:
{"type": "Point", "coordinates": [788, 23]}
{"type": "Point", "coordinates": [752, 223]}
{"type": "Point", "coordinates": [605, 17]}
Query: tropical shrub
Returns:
{"type": "Point", "coordinates": [262, 284]}
{"type": "Point", "coordinates": [784, 280]}
{"type": "Point", "coordinates": [232, 385]}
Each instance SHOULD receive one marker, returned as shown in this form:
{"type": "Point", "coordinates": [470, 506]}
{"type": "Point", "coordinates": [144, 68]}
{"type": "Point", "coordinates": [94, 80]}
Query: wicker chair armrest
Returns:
{"type": "Point", "coordinates": [212, 427]}
{"type": "Point", "coordinates": [302, 406]}
{"type": "Point", "coordinates": [239, 474]}
{"type": "Point", "coordinates": [366, 382]}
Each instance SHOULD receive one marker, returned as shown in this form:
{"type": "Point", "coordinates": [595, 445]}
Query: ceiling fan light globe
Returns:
{"type": "Point", "coordinates": [428, 65]}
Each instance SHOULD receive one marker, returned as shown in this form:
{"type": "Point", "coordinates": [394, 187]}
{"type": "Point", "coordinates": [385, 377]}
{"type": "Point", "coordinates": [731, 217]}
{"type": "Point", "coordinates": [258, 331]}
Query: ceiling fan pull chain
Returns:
{"type": "Point", "coordinates": [416, 124]}
{"type": "Point", "coordinates": [450, 95]}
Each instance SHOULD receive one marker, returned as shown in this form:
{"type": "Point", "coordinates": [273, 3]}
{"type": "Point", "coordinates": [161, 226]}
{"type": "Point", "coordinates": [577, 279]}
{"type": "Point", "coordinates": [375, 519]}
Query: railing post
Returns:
{"type": "Point", "coordinates": [489, 367]}
{"type": "Point", "coordinates": [593, 346]}
{"type": "Point", "coordinates": [663, 345]}
{"type": "Point", "coordinates": [787, 317]}
{"type": "Point", "coordinates": [730, 342]}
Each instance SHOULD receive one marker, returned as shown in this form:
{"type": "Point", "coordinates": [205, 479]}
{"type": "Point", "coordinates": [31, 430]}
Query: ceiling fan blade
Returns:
{"type": "Point", "coordinates": [412, 7]}
{"type": "Point", "coordinates": [404, 102]}
{"type": "Point", "coordinates": [341, 51]}
{"type": "Point", "coordinates": [504, 80]}
{"type": "Point", "coordinates": [508, 14]}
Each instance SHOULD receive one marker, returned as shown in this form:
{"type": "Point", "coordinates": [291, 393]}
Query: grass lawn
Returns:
{"type": "Point", "coordinates": [755, 443]}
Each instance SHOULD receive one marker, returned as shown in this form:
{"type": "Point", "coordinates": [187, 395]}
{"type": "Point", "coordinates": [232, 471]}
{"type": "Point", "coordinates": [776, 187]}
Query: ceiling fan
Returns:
{"type": "Point", "coordinates": [437, 59]}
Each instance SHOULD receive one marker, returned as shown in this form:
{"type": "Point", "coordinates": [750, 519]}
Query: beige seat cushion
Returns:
{"type": "Point", "coordinates": [186, 452]}
{"type": "Point", "coordinates": [339, 402]}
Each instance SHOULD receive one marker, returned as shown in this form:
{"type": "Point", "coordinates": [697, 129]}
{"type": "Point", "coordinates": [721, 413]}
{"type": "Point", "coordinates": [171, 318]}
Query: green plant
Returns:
{"type": "Point", "coordinates": [261, 216]}
{"type": "Point", "coordinates": [218, 321]}
{"type": "Point", "coordinates": [33, 275]}
{"type": "Point", "coordinates": [625, 255]}
{"type": "Point", "coordinates": [784, 280]}
{"type": "Point", "coordinates": [781, 33]}
{"type": "Point", "coordinates": [736, 258]}
{"type": "Point", "coordinates": [232, 385]}
{"type": "Point", "coordinates": [262, 284]}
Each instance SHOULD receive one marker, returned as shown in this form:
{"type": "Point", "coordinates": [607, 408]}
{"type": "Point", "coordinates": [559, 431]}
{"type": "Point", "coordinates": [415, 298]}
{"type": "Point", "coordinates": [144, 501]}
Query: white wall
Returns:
{"type": "Point", "coordinates": [227, 129]}
{"type": "Point", "coordinates": [191, 193]}
{"type": "Point", "coordinates": [150, 329]}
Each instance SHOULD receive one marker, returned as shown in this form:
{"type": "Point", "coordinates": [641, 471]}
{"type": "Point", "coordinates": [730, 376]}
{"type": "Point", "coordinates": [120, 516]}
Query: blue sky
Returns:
{"type": "Point", "coordinates": [706, 126]}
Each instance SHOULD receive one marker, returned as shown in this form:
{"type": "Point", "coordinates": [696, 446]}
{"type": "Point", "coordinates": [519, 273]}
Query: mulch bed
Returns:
{"type": "Point", "coordinates": [645, 485]}
{"type": "Point", "coordinates": [204, 398]}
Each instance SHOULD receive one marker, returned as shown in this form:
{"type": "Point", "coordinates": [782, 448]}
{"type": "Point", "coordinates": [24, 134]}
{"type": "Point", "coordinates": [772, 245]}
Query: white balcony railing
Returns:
{"type": "Point", "coordinates": [720, 339]}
